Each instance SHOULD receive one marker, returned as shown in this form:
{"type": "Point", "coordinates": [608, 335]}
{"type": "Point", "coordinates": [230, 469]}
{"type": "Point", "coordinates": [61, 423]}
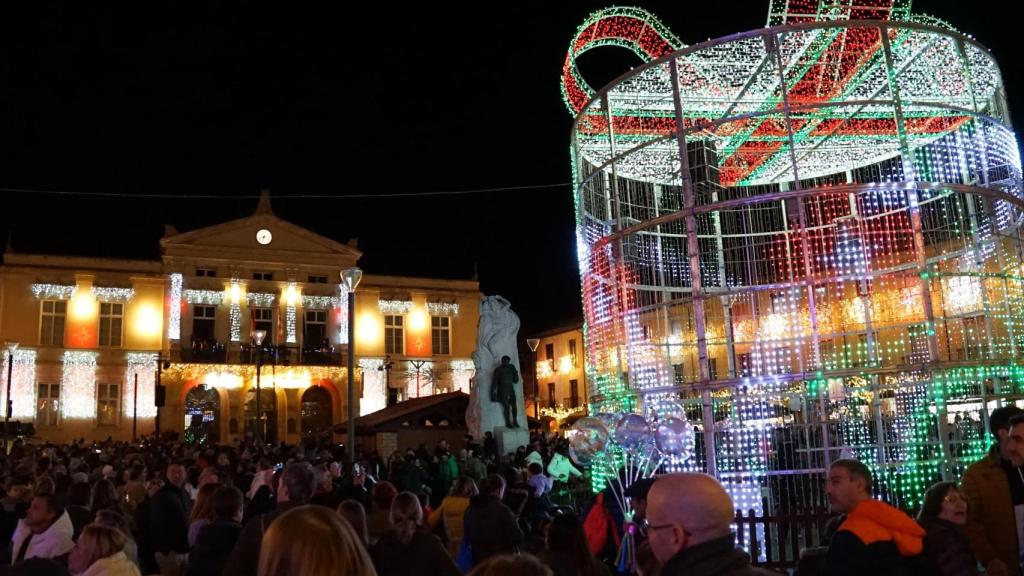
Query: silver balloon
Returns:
{"type": "Point", "coordinates": [609, 420]}
{"type": "Point", "coordinates": [588, 437]}
{"type": "Point", "coordinates": [631, 431]}
{"type": "Point", "coordinates": [675, 437]}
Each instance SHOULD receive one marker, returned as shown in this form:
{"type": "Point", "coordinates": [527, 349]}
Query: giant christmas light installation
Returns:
{"type": "Point", "coordinates": [848, 186]}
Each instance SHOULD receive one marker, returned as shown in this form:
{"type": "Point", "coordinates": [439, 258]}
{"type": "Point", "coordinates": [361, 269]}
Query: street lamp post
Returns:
{"type": "Point", "coordinates": [257, 338]}
{"type": "Point", "coordinates": [350, 278]}
{"type": "Point", "coordinates": [11, 348]}
{"type": "Point", "coordinates": [533, 343]}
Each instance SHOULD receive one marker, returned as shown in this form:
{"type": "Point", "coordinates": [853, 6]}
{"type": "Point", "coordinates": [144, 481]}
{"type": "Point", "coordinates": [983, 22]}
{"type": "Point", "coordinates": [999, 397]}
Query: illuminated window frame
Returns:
{"type": "Point", "coordinates": [111, 315]}
{"type": "Point", "coordinates": [108, 395]}
{"type": "Point", "coordinates": [440, 335]}
{"type": "Point", "coordinates": [394, 334]}
{"type": "Point", "coordinates": [58, 309]}
{"type": "Point", "coordinates": [48, 405]}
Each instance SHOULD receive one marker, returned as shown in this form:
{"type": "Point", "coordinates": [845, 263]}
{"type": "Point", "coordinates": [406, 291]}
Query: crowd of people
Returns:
{"type": "Point", "coordinates": [119, 509]}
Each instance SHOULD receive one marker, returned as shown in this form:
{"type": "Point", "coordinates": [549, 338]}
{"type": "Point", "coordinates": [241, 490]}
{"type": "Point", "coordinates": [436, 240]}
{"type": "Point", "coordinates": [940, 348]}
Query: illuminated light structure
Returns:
{"type": "Point", "coordinates": [174, 308]}
{"type": "Point", "coordinates": [806, 237]}
{"type": "Point", "coordinates": [375, 396]}
{"type": "Point", "coordinates": [462, 374]}
{"type": "Point", "coordinates": [78, 385]}
{"type": "Point", "coordinates": [23, 383]}
{"type": "Point", "coordinates": [143, 366]}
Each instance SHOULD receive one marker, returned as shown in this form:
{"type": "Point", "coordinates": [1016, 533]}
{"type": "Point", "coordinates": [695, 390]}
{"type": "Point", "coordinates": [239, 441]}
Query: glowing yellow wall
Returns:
{"type": "Point", "coordinates": [144, 316]}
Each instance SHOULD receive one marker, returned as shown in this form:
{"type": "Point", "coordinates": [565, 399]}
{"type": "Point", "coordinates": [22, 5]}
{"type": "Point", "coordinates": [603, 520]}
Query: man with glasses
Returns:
{"type": "Point", "coordinates": [689, 519]}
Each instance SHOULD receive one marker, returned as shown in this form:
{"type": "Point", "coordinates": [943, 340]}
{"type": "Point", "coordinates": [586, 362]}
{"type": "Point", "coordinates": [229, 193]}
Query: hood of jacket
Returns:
{"type": "Point", "coordinates": [875, 521]}
{"type": "Point", "coordinates": [113, 565]}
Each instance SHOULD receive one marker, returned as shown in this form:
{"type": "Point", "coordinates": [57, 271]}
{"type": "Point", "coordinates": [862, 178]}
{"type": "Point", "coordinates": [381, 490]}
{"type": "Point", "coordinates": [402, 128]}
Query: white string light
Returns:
{"type": "Point", "coordinates": [52, 291]}
{"type": "Point", "coordinates": [442, 308]}
{"type": "Point", "coordinates": [394, 307]}
{"type": "Point", "coordinates": [174, 321]}
{"type": "Point", "coordinates": [142, 364]}
{"type": "Point", "coordinates": [261, 299]}
{"type": "Point", "coordinates": [78, 385]}
{"type": "Point", "coordinates": [462, 374]}
{"type": "Point", "coordinates": [375, 395]}
{"type": "Point", "coordinates": [207, 297]}
{"type": "Point", "coordinates": [319, 302]}
{"type": "Point", "coordinates": [23, 383]}
{"type": "Point", "coordinates": [343, 318]}
{"type": "Point", "coordinates": [116, 295]}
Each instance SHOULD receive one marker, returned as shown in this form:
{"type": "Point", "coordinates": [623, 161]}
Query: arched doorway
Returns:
{"type": "Point", "coordinates": [317, 413]}
{"type": "Point", "coordinates": [268, 410]}
{"type": "Point", "coordinates": [202, 415]}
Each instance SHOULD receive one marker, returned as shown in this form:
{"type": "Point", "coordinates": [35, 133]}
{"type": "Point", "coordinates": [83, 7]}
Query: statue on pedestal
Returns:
{"type": "Point", "coordinates": [494, 403]}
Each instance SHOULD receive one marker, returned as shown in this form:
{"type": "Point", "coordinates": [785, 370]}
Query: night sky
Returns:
{"type": "Point", "coordinates": [226, 98]}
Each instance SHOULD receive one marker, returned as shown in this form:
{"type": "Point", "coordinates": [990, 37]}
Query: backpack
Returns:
{"type": "Point", "coordinates": [598, 524]}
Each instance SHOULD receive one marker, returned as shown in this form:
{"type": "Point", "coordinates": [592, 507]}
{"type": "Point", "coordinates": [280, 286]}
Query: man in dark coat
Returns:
{"type": "Point", "coordinates": [168, 522]}
{"type": "Point", "coordinates": [295, 489]}
{"type": "Point", "coordinates": [503, 390]}
{"type": "Point", "coordinates": [491, 527]}
{"type": "Point", "coordinates": [689, 517]}
{"type": "Point", "coordinates": [216, 540]}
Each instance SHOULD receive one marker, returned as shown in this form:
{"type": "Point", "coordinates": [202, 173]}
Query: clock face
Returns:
{"type": "Point", "coordinates": [264, 236]}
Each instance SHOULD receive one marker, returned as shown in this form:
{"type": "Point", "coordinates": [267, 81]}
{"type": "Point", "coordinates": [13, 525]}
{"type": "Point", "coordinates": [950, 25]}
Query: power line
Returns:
{"type": "Point", "coordinates": [79, 193]}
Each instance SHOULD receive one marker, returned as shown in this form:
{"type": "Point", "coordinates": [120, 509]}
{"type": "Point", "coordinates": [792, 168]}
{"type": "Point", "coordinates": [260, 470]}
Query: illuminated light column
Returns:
{"type": "Point", "coordinates": [174, 308]}
{"type": "Point", "coordinates": [235, 293]}
{"type": "Point", "coordinates": [143, 366]}
{"type": "Point", "coordinates": [375, 396]}
{"type": "Point", "coordinates": [23, 383]}
{"type": "Point", "coordinates": [78, 385]}
{"type": "Point", "coordinates": [342, 314]}
{"type": "Point", "coordinates": [291, 298]}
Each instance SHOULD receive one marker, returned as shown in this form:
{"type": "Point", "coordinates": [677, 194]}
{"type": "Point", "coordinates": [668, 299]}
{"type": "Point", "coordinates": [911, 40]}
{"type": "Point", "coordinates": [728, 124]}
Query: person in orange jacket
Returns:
{"type": "Point", "coordinates": [874, 538]}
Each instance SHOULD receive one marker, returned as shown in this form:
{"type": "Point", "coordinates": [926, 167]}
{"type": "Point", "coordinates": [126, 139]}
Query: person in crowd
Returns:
{"type": "Point", "coordinates": [168, 522]}
{"type": "Point", "coordinates": [215, 541]}
{"type": "Point", "coordinates": [312, 541]}
{"type": "Point", "coordinates": [378, 521]}
{"type": "Point", "coordinates": [491, 526]}
{"type": "Point", "coordinates": [45, 532]}
{"type": "Point", "coordinates": [325, 494]}
{"type": "Point", "coordinates": [451, 513]}
{"type": "Point", "coordinates": [875, 537]}
{"type": "Point", "coordinates": [38, 567]}
{"type": "Point", "coordinates": [566, 551]}
{"type": "Point", "coordinates": [540, 483]}
{"type": "Point", "coordinates": [15, 503]}
{"type": "Point", "coordinates": [294, 489]}
{"type": "Point", "coordinates": [114, 519]}
{"type": "Point", "coordinates": [79, 495]}
{"type": "Point", "coordinates": [994, 487]}
{"type": "Point", "coordinates": [511, 565]}
{"type": "Point", "coordinates": [693, 535]}
{"type": "Point", "coordinates": [100, 552]}
{"type": "Point", "coordinates": [135, 487]}
{"type": "Point", "coordinates": [104, 497]}
{"type": "Point", "coordinates": [408, 549]}
{"type": "Point", "coordinates": [202, 511]}
{"type": "Point", "coordinates": [943, 515]}
{"type": "Point", "coordinates": [354, 513]}
{"type": "Point", "coordinates": [561, 468]}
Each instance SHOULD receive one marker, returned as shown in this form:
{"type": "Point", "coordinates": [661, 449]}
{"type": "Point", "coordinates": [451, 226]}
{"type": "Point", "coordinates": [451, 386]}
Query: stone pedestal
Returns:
{"type": "Point", "coordinates": [510, 439]}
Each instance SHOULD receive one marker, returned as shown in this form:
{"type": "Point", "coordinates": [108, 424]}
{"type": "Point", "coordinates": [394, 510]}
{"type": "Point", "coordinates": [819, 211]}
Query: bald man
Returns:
{"type": "Point", "coordinates": [689, 528]}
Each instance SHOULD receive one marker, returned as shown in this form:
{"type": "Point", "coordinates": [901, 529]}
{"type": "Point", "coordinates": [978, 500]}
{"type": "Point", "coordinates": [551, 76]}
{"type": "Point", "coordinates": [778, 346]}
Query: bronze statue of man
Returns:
{"type": "Point", "coordinates": [503, 389]}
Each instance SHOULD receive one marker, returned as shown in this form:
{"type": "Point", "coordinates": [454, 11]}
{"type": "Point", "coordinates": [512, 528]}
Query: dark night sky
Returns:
{"type": "Point", "coordinates": [226, 98]}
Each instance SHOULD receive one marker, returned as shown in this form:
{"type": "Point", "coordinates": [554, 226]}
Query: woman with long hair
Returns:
{"type": "Point", "coordinates": [354, 513]}
{"type": "Point", "coordinates": [312, 541]}
{"type": "Point", "coordinates": [450, 515]}
{"type": "Point", "coordinates": [566, 550]}
{"type": "Point", "coordinates": [202, 511]}
{"type": "Point", "coordinates": [100, 552]}
{"type": "Point", "coordinates": [943, 515]}
{"type": "Point", "coordinates": [407, 549]}
{"type": "Point", "coordinates": [104, 497]}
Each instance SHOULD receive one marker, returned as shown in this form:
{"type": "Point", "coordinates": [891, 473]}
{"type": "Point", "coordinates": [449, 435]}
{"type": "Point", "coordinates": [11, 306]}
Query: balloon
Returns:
{"type": "Point", "coordinates": [631, 431]}
{"type": "Point", "coordinates": [610, 420]}
{"type": "Point", "coordinates": [675, 437]}
{"type": "Point", "coordinates": [589, 436]}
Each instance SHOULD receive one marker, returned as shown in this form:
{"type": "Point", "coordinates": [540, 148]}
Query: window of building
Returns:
{"type": "Point", "coordinates": [262, 275]}
{"type": "Point", "coordinates": [574, 393]}
{"type": "Point", "coordinates": [204, 322]}
{"type": "Point", "coordinates": [572, 352]}
{"type": "Point", "coordinates": [394, 335]}
{"type": "Point", "coordinates": [317, 279]}
{"type": "Point", "coordinates": [263, 319]}
{"type": "Point", "coordinates": [314, 333]}
{"type": "Point", "coordinates": [108, 404]}
{"type": "Point", "coordinates": [210, 272]}
{"type": "Point", "coordinates": [52, 330]}
{"type": "Point", "coordinates": [549, 352]}
{"type": "Point", "coordinates": [440, 335]}
{"type": "Point", "coordinates": [111, 320]}
{"type": "Point", "coordinates": [48, 405]}
{"type": "Point", "coordinates": [551, 395]}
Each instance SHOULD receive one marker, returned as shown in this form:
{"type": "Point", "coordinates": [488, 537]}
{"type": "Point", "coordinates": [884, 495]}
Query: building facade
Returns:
{"type": "Point", "coordinates": [98, 337]}
{"type": "Point", "coordinates": [561, 380]}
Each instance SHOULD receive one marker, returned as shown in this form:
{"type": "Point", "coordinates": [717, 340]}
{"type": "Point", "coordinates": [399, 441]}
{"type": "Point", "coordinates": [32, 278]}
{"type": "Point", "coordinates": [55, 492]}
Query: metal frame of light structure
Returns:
{"type": "Point", "coordinates": [849, 194]}
{"type": "Point", "coordinates": [532, 343]}
{"type": "Point", "coordinates": [350, 278]}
